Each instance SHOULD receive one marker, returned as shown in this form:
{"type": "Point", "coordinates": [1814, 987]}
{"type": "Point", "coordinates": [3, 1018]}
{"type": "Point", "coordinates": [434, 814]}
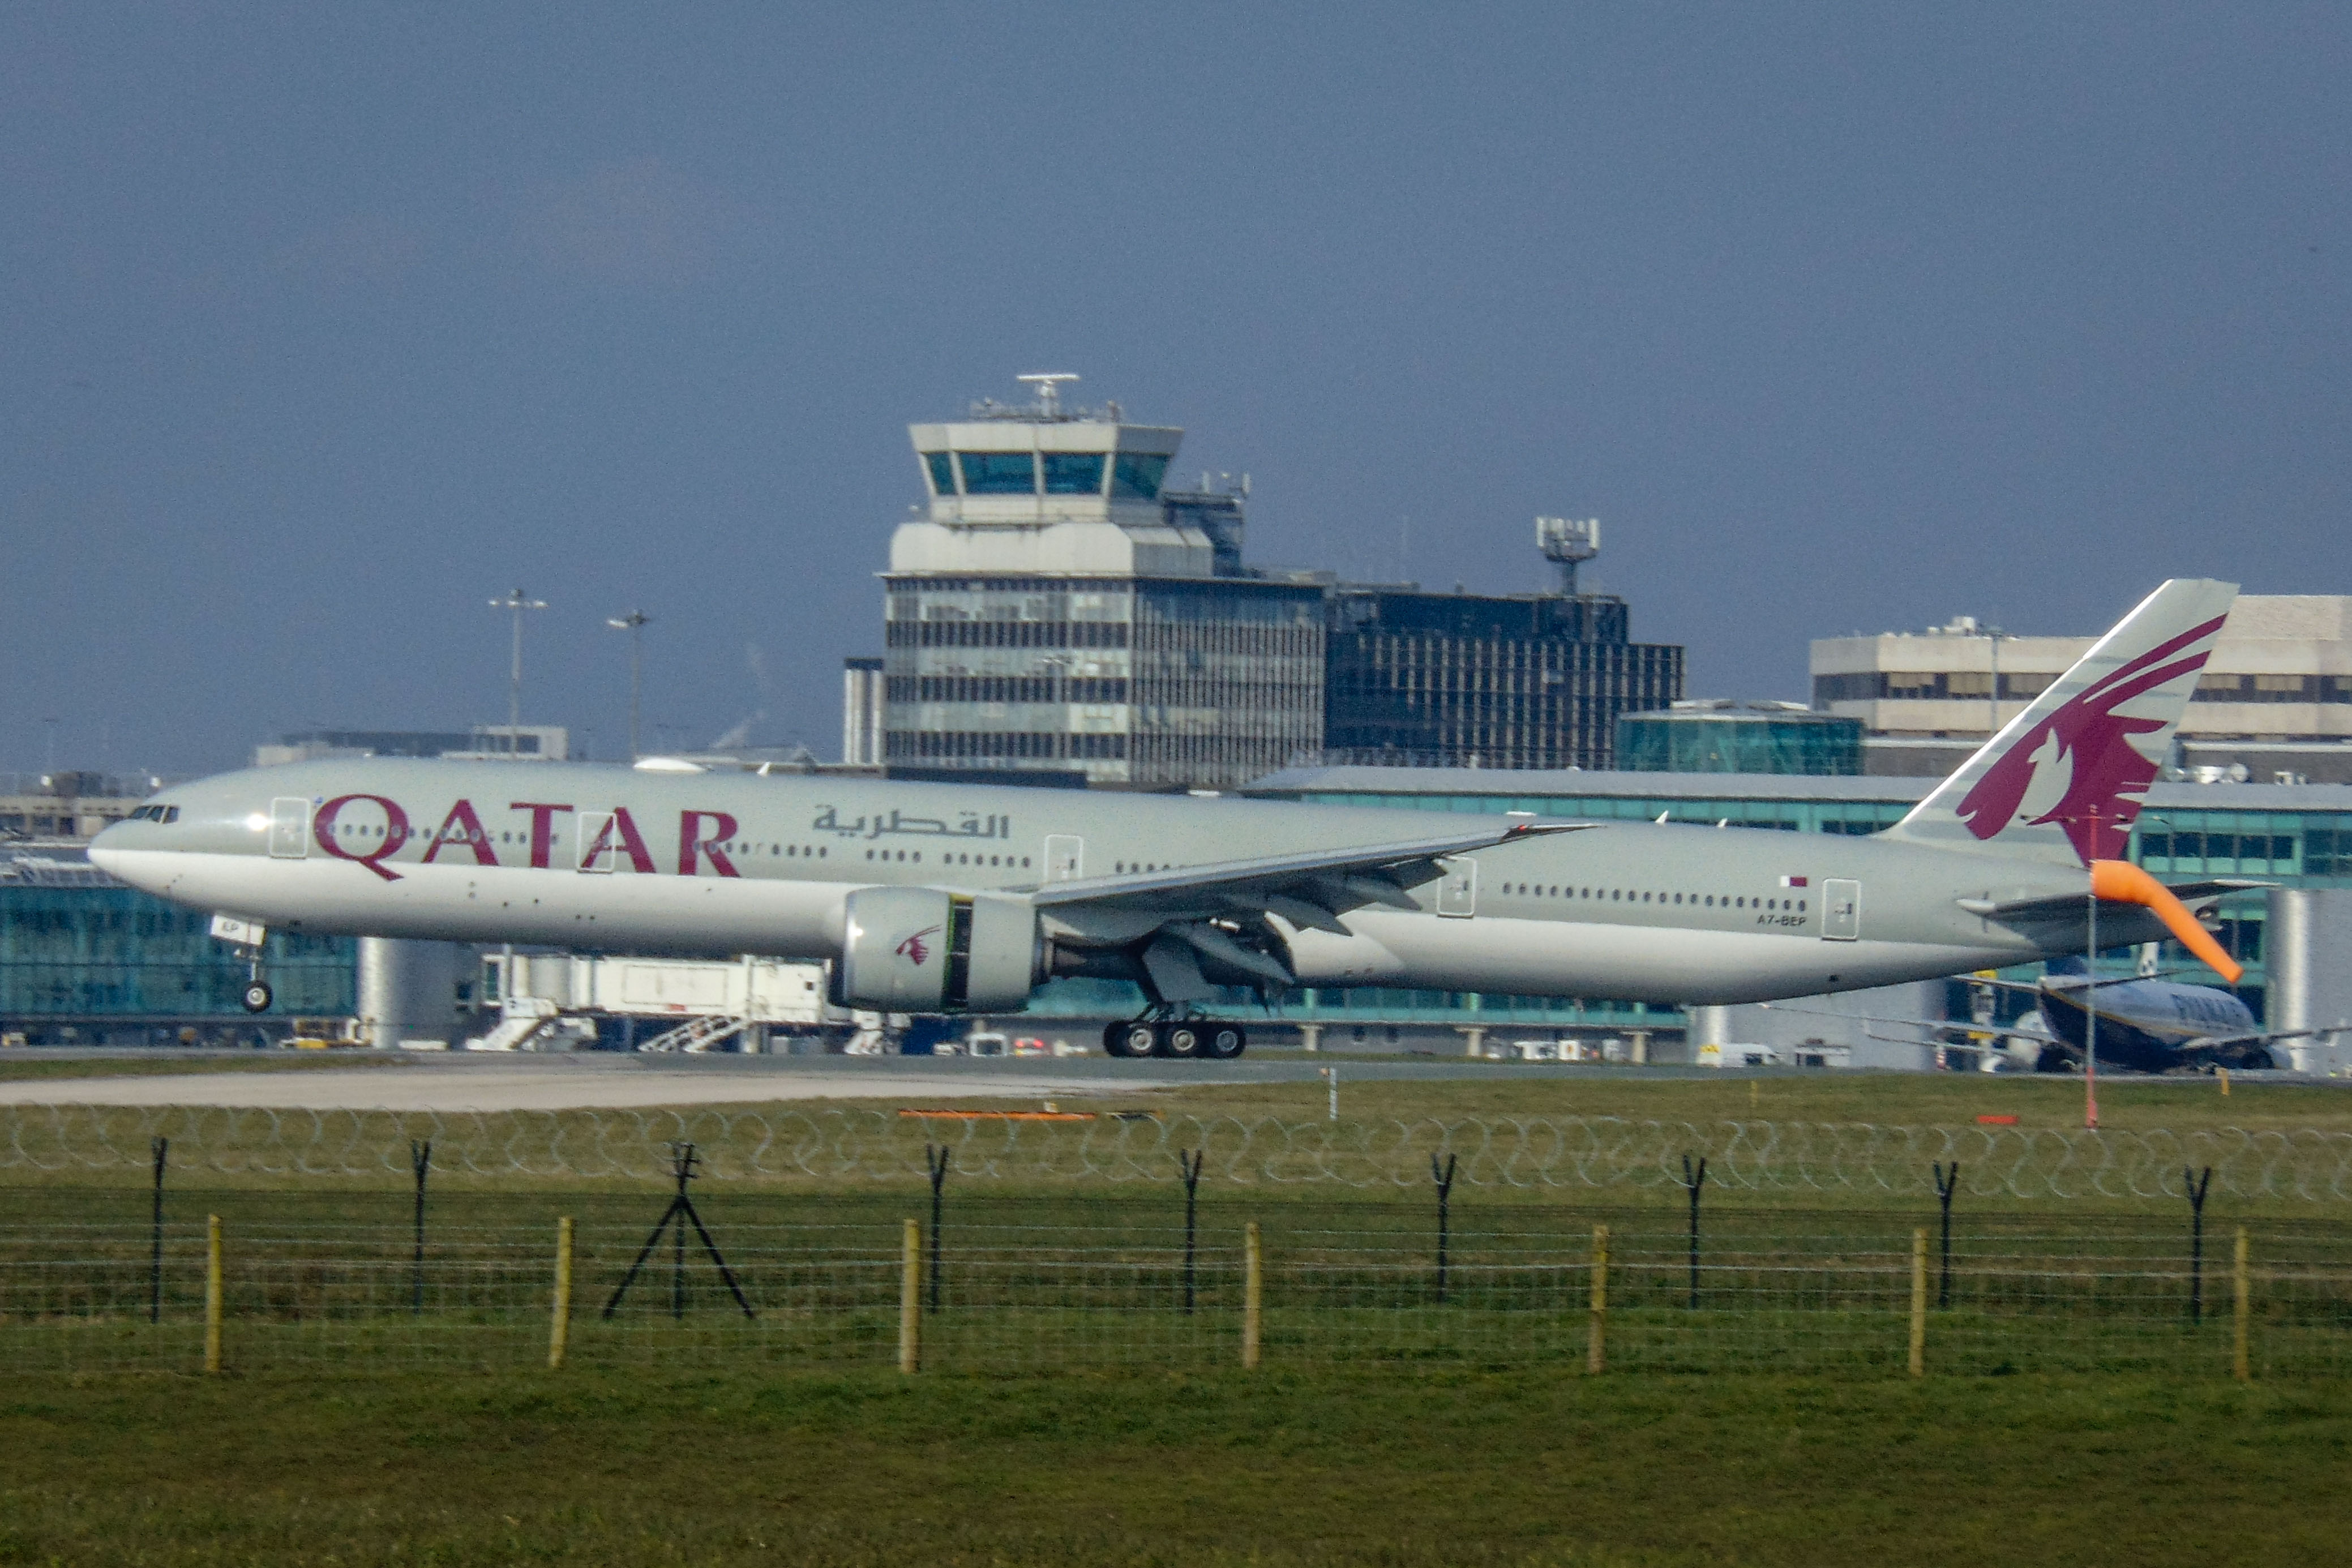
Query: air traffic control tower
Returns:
{"type": "Point", "coordinates": [1057, 609]}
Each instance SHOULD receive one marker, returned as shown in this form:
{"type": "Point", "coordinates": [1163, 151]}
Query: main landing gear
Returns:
{"type": "Point", "coordinates": [1211, 1039]}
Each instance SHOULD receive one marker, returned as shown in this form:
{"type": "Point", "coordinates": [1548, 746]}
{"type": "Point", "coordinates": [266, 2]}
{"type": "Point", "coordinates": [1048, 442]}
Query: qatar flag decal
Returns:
{"type": "Point", "coordinates": [1793, 882]}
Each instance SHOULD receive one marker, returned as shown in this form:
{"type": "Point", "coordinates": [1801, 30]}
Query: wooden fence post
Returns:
{"type": "Point", "coordinates": [911, 1301]}
{"type": "Point", "coordinates": [2241, 1365]}
{"type": "Point", "coordinates": [1919, 1303]}
{"type": "Point", "coordinates": [559, 1327]}
{"type": "Point", "coordinates": [1596, 1354]}
{"type": "Point", "coordinates": [1253, 1298]}
{"type": "Point", "coordinates": [213, 1294]}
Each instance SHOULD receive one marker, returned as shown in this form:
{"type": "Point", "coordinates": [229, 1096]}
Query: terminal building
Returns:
{"type": "Point", "coordinates": [2274, 702]}
{"type": "Point", "coordinates": [67, 807]}
{"type": "Point", "coordinates": [498, 743]}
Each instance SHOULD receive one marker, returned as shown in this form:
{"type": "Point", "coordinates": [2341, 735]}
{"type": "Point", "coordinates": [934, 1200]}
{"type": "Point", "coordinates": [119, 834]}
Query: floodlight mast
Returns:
{"type": "Point", "coordinates": [1568, 543]}
{"type": "Point", "coordinates": [515, 602]}
{"type": "Point", "coordinates": [634, 623]}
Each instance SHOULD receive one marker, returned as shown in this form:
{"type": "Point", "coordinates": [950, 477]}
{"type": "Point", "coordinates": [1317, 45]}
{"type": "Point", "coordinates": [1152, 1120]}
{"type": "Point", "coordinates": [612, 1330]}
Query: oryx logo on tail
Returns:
{"type": "Point", "coordinates": [2063, 781]}
{"type": "Point", "coordinates": [2078, 767]}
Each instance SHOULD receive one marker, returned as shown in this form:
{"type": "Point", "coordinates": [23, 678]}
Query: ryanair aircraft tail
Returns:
{"type": "Point", "coordinates": [2064, 780]}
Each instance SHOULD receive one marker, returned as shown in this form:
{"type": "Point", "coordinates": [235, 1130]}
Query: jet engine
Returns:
{"type": "Point", "coordinates": [923, 950]}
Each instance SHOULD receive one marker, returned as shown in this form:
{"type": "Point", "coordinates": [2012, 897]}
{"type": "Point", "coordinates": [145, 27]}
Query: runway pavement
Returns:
{"type": "Point", "coordinates": [599, 1079]}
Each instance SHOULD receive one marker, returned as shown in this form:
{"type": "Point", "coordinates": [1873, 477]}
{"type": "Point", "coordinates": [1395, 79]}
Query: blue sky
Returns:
{"type": "Point", "coordinates": [325, 325]}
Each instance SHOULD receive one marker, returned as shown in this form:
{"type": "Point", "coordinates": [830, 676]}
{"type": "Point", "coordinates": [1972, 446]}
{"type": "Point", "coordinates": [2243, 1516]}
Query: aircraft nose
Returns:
{"type": "Point", "coordinates": [106, 850]}
{"type": "Point", "coordinates": [113, 851]}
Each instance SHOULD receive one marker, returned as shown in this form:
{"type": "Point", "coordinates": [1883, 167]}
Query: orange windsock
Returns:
{"type": "Point", "coordinates": [2121, 882]}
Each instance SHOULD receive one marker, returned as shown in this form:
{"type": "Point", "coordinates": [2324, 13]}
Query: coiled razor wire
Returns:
{"type": "Point", "coordinates": [1597, 1153]}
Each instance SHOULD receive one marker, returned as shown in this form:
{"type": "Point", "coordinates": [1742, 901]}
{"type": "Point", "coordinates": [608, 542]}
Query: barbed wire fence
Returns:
{"type": "Point", "coordinates": [1332, 1286]}
{"type": "Point", "coordinates": [854, 1147]}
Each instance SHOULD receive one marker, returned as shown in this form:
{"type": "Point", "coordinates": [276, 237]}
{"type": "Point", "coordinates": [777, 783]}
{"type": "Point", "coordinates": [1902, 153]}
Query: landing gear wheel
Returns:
{"type": "Point", "coordinates": [1226, 1041]}
{"type": "Point", "coordinates": [257, 996]}
{"type": "Point", "coordinates": [2052, 1060]}
{"type": "Point", "coordinates": [1179, 1040]}
{"type": "Point", "coordinates": [2257, 1061]}
{"type": "Point", "coordinates": [1129, 1041]}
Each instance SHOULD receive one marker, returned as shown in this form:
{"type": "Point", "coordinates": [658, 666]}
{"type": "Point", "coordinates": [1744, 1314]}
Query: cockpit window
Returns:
{"type": "Point", "coordinates": [156, 814]}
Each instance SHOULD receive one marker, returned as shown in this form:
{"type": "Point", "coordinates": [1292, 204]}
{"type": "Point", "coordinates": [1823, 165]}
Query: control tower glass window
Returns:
{"type": "Point", "coordinates": [998, 473]}
{"type": "Point", "coordinates": [1137, 476]}
{"type": "Point", "coordinates": [1074, 473]}
{"type": "Point", "coordinates": [942, 472]}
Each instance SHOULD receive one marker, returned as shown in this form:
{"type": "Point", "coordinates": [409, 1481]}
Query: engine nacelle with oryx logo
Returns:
{"type": "Point", "coordinates": [921, 950]}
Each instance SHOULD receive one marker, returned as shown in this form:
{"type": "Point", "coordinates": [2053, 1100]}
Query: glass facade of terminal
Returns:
{"type": "Point", "coordinates": [1715, 742]}
{"type": "Point", "coordinates": [78, 950]}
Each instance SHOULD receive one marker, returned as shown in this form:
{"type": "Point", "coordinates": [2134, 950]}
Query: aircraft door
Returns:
{"type": "Point", "coordinates": [289, 827]}
{"type": "Point", "coordinates": [1457, 895]}
{"type": "Point", "coordinates": [597, 852]}
{"type": "Point", "coordinates": [1841, 909]}
{"type": "Point", "coordinates": [1066, 857]}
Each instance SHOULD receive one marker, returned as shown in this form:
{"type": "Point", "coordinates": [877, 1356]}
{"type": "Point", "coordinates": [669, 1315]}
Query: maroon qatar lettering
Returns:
{"type": "Point", "coordinates": [325, 824]}
{"type": "Point", "coordinates": [692, 844]}
{"type": "Point", "coordinates": [463, 829]}
{"type": "Point", "coordinates": [542, 830]}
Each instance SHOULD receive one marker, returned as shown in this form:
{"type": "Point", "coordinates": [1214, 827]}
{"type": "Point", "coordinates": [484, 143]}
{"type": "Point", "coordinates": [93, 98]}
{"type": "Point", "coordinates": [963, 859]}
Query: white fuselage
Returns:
{"type": "Point", "coordinates": [612, 859]}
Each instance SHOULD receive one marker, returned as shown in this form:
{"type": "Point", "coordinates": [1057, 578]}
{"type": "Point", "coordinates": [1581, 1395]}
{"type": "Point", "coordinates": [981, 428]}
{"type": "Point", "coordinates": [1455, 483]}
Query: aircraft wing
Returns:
{"type": "Point", "coordinates": [1308, 888]}
{"type": "Point", "coordinates": [2206, 1042]}
{"type": "Point", "coordinates": [1955, 1025]}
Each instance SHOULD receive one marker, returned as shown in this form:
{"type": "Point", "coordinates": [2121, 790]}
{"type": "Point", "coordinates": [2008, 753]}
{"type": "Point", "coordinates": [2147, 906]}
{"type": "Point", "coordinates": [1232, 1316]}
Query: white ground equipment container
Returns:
{"type": "Point", "coordinates": [551, 1001]}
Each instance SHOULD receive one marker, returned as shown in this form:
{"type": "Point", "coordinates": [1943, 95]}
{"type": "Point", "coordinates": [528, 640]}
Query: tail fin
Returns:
{"type": "Point", "coordinates": [2064, 779]}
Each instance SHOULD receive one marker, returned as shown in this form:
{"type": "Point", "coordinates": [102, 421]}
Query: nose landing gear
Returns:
{"type": "Point", "coordinates": [258, 995]}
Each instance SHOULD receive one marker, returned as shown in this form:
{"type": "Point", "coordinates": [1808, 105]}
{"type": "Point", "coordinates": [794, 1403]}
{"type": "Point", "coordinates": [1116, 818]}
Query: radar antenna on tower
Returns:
{"type": "Point", "coordinates": [1049, 391]}
{"type": "Point", "coordinates": [1568, 543]}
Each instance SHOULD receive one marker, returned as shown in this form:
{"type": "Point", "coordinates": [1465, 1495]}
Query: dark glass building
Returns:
{"type": "Point", "coordinates": [1522, 680]}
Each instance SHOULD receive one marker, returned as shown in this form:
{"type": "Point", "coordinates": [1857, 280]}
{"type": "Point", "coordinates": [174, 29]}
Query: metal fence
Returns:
{"type": "Point", "coordinates": [255, 1282]}
{"type": "Point", "coordinates": [854, 1147]}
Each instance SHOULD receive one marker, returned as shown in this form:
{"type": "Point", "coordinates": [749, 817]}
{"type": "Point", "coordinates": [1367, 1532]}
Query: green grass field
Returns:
{"type": "Point", "coordinates": [1913, 1100]}
{"type": "Point", "coordinates": [873, 1469]}
{"type": "Point", "coordinates": [1068, 1413]}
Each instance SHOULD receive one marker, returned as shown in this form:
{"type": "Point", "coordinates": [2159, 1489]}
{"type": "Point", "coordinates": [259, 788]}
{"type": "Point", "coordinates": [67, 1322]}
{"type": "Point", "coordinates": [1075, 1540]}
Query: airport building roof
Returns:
{"type": "Point", "coordinates": [1572, 784]}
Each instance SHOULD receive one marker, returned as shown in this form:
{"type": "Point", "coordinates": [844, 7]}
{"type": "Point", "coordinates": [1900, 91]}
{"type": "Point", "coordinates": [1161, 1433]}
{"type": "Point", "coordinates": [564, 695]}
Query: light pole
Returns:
{"type": "Point", "coordinates": [1992, 723]}
{"type": "Point", "coordinates": [634, 623]}
{"type": "Point", "coordinates": [518, 604]}
{"type": "Point", "coordinates": [2090, 993]}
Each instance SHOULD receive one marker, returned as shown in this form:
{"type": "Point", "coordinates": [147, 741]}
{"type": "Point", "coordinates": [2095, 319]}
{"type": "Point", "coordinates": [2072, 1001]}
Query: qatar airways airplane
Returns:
{"type": "Point", "coordinates": [936, 897]}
